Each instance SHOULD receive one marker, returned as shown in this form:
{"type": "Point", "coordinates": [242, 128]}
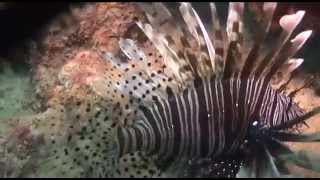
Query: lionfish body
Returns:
{"type": "Point", "coordinates": [203, 104]}
{"type": "Point", "coordinates": [209, 120]}
{"type": "Point", "coordinates": [222, 106]}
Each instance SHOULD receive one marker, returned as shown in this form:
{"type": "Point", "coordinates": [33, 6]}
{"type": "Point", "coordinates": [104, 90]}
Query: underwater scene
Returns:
{"type": "Point", "coordinates": [159, 90]}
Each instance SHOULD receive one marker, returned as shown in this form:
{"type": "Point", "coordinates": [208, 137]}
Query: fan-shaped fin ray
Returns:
{"type": "Point", "coordinates": [181, 70]}
{"type": "Point", "coordinates": [218, 39]}
{"type": "Point", "coordinates": [261, 18]}
{"type": "Point", "coordinates": [235, 39]}
{"type": "Point", "coordinates": [280, 51]}
{"type": "Point", "coordinates": [198, 30]}
{"type": "Point", "coordinates": [288, 51]}
{"type": "Point", "coordinates": [286, 72]}
{"type": "Point", "coordinates": [178, 38]}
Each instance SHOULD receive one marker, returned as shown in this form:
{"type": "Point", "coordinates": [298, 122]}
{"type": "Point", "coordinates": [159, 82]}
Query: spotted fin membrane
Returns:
{"type": "Point", "coordinates": [83, 146]}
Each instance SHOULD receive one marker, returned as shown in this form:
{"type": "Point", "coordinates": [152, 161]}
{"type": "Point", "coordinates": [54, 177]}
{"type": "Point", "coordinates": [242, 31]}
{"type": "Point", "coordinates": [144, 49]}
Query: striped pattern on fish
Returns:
{"type": "Point", "coordinates": [220, 103]}
{"type": "Point", "coordinates": [209, 120]}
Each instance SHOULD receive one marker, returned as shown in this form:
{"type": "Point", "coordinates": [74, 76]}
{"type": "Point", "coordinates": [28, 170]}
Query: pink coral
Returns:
{"type": "Point", "coordinates": [84, 68]}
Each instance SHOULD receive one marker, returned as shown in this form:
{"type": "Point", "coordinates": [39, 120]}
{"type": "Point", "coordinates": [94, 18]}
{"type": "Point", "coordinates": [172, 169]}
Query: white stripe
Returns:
{"type": "Point", "coordinates": [211, 120]}
{"type": "Point", "coordinates": [155, 115]}
{"type": "Point", "coordinates": [152, 135]}
{"type": "Point", "coordinates": [221, 120]}
{"type": "Point", "coordinates": [205, 90]}
{"type": "Point", "coordinates": [198, 132]}
{"type": "Point", "coordinates": [144, 136]}
{"type": "Point", "coordinates": [234, 106]}
{"type": "Point", "coordinates": [126, 139]}
{"type": "Point", "coordinates": [182, 128]}
{"type": "Point", "coordinates": [134, 139]}
{"type": "Point", "coordinates": [171, 133]}
{"type": "Point", "coordinates": [166, 130]}
{"type": "Point", "coordinates": [218, 135]}
{"type": "Point", "coordinates": [186, 119]}
{"type": "Point", "coordinates": [257, 93]}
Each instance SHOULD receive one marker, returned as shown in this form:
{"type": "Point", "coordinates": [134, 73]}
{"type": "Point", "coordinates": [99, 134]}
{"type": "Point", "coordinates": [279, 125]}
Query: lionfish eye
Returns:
{"type": "Point", "coordinates": [255, 123]}
{"type": "Point", "coordinates": [255, 131]}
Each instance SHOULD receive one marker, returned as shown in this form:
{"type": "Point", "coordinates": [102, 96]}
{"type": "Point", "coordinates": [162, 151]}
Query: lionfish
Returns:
{"type": "Point", "coordinates": [204, 105]}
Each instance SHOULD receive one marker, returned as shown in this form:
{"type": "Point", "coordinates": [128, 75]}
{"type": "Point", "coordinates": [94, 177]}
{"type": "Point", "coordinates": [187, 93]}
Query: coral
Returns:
{"type": "Point", "coordinates": [84, 29]}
